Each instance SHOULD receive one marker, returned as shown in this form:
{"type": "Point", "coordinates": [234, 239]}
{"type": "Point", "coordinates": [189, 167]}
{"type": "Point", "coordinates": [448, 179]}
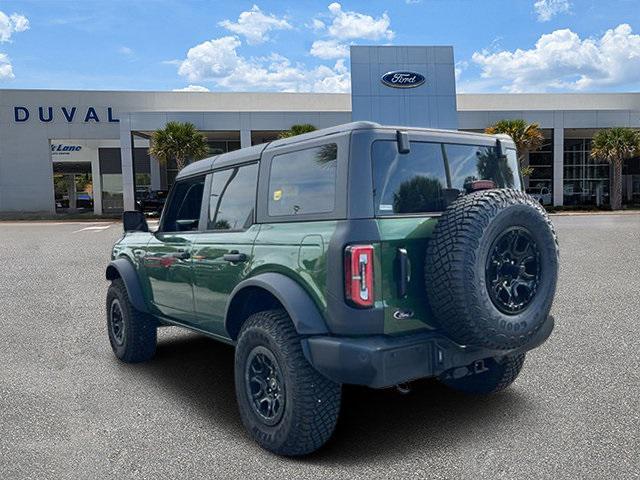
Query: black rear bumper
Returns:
{"type": "Point", "coordinates": [382, 361]}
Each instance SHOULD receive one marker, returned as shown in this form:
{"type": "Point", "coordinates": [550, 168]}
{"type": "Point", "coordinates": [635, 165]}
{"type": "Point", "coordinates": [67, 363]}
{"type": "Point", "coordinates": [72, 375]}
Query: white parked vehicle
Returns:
{"type": "Point", "coordinates": [542, 194]}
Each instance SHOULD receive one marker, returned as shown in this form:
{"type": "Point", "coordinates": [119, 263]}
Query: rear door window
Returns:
{"type": "Point", "coordinates": [414, 182]}
{"type": "Point", "coordinates": [233, 198]}
{"type": "Point", "coordinates": [303, 182]}
{"type": "Point", "coordinates": [469, 163]}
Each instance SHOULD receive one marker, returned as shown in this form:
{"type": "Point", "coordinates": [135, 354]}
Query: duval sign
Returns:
{"type": "Point", "coordinates": [67, 113]}
{"type": "Point", "coordinates": [402, 79]}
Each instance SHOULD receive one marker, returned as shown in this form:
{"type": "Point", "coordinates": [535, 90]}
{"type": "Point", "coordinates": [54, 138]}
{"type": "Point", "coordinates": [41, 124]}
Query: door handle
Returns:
{"type": "Point", "coordinates": [404, 272]}
{"type": "Point", "coordinates": [234, 256]}
{"type": "Point", "coordinates": [183, 255]}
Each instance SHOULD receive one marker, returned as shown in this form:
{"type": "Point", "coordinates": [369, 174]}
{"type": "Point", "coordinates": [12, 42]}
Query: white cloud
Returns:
{"type": "Point", "coordinates": [316, 25]}
{"type": "Point", "coordinates": [218, 61]}
{"type": "Point", "coordinates": [10, 24]}
{"type": "Point", "coordinates": [348, 25]}
{"type": "Point", "coordinates": [6, 69]}
{"type": "Point", "coordinates": [460, 67]}
{"type": "Point", "coordinates": [561, 60]}
{"type": "Point", "coordinates": [192, 88]}
{"type": "Point", "coordinates": [254, 25]}
{"type": "Point", "coordinates": [211, 59]}
{"type": "Point", "coordinates": [126, 51]}
{"type": "Point", "coordinates": [345, 26]}
{"type": "Point", "coordinates": [547, 9]}
{"type": "Point", "coordinates": [329, 49]}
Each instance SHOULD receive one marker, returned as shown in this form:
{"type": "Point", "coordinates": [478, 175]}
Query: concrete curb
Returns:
{"type": "Point", "coordinates": [617, 213]}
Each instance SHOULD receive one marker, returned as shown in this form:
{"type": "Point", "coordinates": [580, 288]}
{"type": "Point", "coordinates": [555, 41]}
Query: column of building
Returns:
{"type": "Point", "coordinates": [558, 159]}
{"type": "Point", "coordinates": [126, 152]}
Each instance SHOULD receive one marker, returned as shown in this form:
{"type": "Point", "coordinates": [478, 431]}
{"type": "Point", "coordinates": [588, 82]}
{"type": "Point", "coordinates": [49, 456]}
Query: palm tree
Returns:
{"type": "Point", "coordinates": [180, 142]}
{"type": "Point", "coordinates": [615, 145]}
{"type": "Point", "coordinates": [527, 137]}
{"type": "Point", "coordinates": [297, 130]}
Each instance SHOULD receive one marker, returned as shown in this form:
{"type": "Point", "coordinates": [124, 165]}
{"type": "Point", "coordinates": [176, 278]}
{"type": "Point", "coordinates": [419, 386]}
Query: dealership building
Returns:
{"type": "Point", "coordinates": [67, 151]}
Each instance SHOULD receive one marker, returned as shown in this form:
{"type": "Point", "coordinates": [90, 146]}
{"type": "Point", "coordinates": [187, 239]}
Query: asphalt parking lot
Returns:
{"type": "Point", "coordinates": [71, 410]}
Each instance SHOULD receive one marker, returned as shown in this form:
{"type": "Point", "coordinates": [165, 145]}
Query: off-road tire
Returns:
{"type": "Point", "coordinates": [138, 343]}
{"type": "Point", "coordinates": [500, 373]}
{"type": "Point", "coordinates": [312, 402]}
{"type": "Point", "coordinates": [457, 257]}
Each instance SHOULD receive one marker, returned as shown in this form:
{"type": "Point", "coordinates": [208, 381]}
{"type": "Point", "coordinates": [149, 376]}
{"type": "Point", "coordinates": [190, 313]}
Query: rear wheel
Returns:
{"type": "Point", "coordinates": [132, 334]}
{"type": "Point", "coordinates": [499, 374]}
{"type": "Point", "coordinates": [285, 404]}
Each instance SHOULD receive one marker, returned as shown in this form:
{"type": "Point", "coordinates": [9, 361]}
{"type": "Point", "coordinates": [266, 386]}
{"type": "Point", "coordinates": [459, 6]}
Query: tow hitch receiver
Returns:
{"type": "Point", "coordinates": [478, 367]}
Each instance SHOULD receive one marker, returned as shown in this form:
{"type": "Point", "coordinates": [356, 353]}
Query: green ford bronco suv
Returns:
{"type": "Point", "coordinates": [359, 254]}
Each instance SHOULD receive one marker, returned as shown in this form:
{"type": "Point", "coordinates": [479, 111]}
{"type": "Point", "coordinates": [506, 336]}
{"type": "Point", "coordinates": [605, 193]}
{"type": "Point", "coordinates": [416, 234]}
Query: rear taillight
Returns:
{"type": "Point", "coordinates": [358, 275]}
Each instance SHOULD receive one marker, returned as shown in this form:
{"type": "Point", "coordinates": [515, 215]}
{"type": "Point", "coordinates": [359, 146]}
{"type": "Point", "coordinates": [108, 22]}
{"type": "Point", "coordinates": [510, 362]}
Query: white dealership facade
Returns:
{"type": "Point", "coordinates": [49, 134]}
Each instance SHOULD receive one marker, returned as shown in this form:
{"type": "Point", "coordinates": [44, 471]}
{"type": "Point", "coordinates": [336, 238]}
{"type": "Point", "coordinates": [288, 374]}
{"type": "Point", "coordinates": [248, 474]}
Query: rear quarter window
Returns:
{"type": "Point", "coordinates": [414, 182]}
{"type": "Point", "coordinates": [468, 163]}
{"type": "Point", "coordinates": [303, 182]}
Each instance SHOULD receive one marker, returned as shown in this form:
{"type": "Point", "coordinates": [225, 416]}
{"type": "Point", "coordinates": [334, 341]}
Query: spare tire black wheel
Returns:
{"type": "Point", "coordinates": [491, 269]}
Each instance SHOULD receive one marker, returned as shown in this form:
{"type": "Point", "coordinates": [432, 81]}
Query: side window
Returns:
{"type": "Point", "coordinates": [183, 213]}
{"type": "Point", "coordinates": [303, 182]}
{"type": "Point", "coordinates": [468, 163]}
{"type": "Point", "coordinates": [233, 198]}
{"type": "Point", "coordinates": [414, 182]}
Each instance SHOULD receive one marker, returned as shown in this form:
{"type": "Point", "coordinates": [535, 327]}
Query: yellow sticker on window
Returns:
{"type": "Point", "coordinates": [277, 195]}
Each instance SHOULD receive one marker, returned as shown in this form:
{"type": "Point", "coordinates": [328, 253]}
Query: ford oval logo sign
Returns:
{"type": "Point", "coordinates": [402, 79]}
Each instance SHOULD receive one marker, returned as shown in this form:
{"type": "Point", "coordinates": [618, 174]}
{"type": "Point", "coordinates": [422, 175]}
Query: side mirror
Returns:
{"type": "Point", "coordinates": [134, 221]}
{"type": "Point", "coordinates": [404, 146]}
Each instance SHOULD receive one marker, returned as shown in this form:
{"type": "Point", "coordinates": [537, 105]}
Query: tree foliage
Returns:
{"type": "Point", "coordinates": [527, 137]}
{"type": "Point", "coordinates": [298, 129]}
{"type": "Point", "coordinates": [180, 142]}
{"type": "Point", "coordinates": [419, 194]}
{"type": "Point", "coordinates": [615, 145]}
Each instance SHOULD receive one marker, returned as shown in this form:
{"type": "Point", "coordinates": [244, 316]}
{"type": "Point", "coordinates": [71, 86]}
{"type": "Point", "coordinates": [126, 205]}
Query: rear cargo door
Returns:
{"type": "Point", "coordinates": [410, 190]}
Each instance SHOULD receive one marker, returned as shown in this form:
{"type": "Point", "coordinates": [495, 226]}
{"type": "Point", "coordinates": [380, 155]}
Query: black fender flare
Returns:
{"type": "Point", "coordinates": [296, 301]}
{"type": "Point", "coordinates": [124, 269]}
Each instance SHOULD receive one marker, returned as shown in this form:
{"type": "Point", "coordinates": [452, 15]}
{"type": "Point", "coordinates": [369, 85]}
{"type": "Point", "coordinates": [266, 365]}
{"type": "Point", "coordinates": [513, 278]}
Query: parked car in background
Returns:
{"type": "Point", "coordinates": [542, 194]}
{"type": "Point", "coordinates": [84, 201]}
{"type": "Point", "coordinates": [152, 201]}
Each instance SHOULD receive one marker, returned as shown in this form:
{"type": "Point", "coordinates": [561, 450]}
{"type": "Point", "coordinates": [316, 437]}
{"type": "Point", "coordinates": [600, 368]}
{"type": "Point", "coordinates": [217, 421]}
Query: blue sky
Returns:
{"type": "Point", "coordinates": [500, 46]}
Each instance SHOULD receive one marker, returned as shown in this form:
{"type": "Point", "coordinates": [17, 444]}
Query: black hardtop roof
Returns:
{"type": "Point", "coordinates": [254, 152]}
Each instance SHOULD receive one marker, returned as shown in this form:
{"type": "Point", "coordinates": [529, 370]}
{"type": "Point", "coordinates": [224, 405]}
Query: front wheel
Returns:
{"type": "Point", "coordinates": [132, 334]}
{"type": "Point", "coordinates": [499, 374]}
{"type": "Point", "coordinates": [285, 404]}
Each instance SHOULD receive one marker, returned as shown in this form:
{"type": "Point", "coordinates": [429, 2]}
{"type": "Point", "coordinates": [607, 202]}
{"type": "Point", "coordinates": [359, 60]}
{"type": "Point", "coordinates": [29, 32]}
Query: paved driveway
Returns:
{"type": "Point", "coordinates": [70, 410]}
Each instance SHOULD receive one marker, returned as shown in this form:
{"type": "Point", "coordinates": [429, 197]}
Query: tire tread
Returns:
{"type": "Point", "coordinates": [317, 399]}
{"type": "Point", "coordinates": [451, 255]}
{"type": "Point", "coordinates": [141, 328]}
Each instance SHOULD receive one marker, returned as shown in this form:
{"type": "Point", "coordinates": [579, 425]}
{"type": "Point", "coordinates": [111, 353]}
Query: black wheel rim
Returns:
{"type": "Point", "coordinates": [265, 385]}
{"type": "Point", "coordinates": [513, 270]}
{"type": "Point", "coordinates": [116, 322]}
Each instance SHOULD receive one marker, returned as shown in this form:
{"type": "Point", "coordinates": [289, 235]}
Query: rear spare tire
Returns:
{"type": "Point", "coordinates": [491, 269]}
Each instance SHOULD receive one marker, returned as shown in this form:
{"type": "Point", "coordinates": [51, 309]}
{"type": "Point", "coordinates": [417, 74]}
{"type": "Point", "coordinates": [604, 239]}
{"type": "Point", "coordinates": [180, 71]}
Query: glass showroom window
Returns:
{"type": "Point", "coordinates": [635, 189]}
{"type": "Point", "coordinates": [586, 180]}
{"type": "Point", "coordinates": [216, 147]}
{"type": "Point", "coordinates": [541, 180]}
